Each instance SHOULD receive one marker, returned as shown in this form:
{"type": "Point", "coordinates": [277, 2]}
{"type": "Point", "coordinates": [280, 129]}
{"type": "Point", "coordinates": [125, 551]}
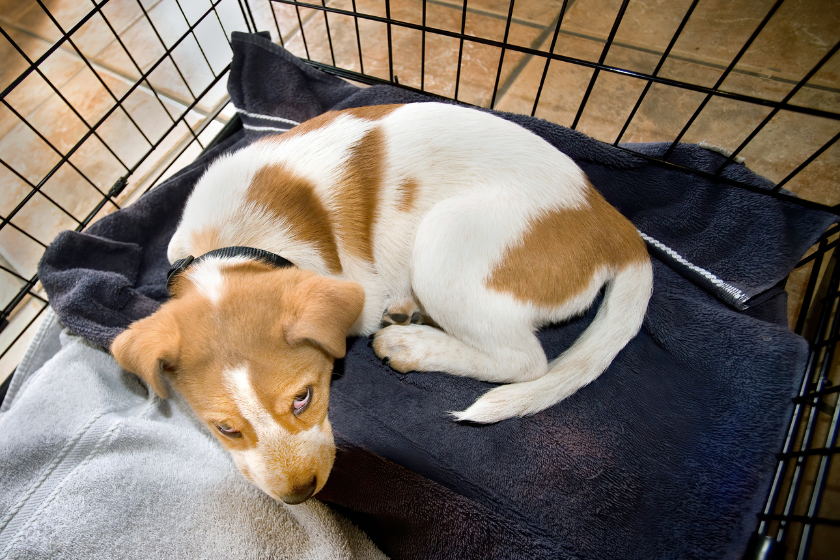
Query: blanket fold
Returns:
{"type": "Point", "coordinates": [669, 454]}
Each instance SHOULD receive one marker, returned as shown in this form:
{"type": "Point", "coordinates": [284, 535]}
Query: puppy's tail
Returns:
{"type": "Point", "coordinates": [618, 320]}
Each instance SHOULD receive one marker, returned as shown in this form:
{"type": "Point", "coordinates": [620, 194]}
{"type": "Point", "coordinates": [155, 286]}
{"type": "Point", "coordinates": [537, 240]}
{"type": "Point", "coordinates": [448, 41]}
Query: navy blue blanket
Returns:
{"type": "Point", "coordinates": [669, 454]}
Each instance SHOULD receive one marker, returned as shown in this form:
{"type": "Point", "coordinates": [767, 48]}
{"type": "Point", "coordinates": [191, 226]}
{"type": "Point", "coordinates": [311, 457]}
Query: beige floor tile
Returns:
{"type": "Point", "coordinates": [27, 154]}
{"type": "Point", "coordinates": [13, 191]}
{"type": "Point", "coordinates": [479, 63]}
{"type": "Point", "coordinates": [9, 285]}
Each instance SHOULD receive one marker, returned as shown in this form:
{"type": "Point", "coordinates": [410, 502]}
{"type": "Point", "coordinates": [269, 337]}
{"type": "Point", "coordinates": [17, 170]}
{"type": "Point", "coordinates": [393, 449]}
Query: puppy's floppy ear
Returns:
{"type": "Point", "coordinates": [322, 310]}
{"type": "Point", "coordinates": [149, 348]}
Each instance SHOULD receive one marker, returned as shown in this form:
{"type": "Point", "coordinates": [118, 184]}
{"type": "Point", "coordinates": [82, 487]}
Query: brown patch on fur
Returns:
{"type": "Point", "coordinates": [293, 201]}
{"type": "Point", "coordinates": [562, 249]}
{"type": "Point", "coordinates": [408, 194]}
{"type": "Point", "coordinates": [357, 196]}
{"type": "Point", "coordinates": [205, 240]}
{"type": "Point", "coordinates": [369, 113]}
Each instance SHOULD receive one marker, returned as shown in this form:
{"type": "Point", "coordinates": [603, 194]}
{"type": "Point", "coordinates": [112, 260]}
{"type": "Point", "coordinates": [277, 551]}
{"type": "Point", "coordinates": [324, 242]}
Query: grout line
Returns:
{"type": "Point", "coordinates": [486, 13]}
{"type": "Point", "coordinates": [681, 58]}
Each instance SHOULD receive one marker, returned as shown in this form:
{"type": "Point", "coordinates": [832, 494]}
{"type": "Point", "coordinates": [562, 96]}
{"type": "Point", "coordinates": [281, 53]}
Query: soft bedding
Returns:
{"type": "Point", "coordinates": [94, 466]}
{"type": "Point", "coordinates": [668, 454]}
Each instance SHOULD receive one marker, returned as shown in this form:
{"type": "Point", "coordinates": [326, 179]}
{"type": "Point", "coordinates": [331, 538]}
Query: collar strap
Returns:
{"type": "Point", "coordinates": [251, 253]}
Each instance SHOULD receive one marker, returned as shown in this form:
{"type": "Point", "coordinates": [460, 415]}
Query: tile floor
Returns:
{"type": "Point", "coordinates": [182, 96]}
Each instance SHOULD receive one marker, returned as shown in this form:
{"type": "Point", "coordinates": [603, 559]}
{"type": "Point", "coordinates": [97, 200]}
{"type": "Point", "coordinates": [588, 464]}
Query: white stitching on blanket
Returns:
{"type": "Point", "coordinates": [739, 296]}
{"type": "Point", "coordinates": [252, 127]}
{"type": "Point", "coordinates": [265, 117]}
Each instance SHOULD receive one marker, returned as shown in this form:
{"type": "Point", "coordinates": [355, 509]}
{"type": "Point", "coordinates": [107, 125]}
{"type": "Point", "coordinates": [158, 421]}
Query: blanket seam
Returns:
{"type": "Point", "coordinates": [101, 441]}
{"type": "Point", "coordinates": [738, 296]}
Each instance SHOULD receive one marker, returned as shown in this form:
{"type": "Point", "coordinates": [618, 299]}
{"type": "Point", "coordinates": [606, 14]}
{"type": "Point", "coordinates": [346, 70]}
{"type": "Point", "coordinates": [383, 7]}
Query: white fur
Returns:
{"type": "Point", "coordinates": [278, 452]}
{"type": "Point", "coordinates": [481, 181]}
{"type": "Point", "coordinates": [207, 276]}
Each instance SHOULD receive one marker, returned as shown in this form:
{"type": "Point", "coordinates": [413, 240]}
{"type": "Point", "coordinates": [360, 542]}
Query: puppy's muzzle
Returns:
{"type": "Point", "coordinates": [300, 494]}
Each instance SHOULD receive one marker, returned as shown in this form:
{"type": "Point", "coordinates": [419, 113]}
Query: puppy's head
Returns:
{"type": "Point", "coordinates": [251, 349]}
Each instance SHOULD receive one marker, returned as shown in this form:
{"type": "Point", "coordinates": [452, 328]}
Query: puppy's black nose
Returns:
{"type": "Point", "coordinates": [300, 494]}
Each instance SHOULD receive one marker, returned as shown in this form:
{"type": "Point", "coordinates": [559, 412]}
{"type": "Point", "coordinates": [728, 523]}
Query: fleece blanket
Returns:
{"type": "Point", "coordinates": [93, 466]}
{"type": "Point", "coordinates": [669, 454]}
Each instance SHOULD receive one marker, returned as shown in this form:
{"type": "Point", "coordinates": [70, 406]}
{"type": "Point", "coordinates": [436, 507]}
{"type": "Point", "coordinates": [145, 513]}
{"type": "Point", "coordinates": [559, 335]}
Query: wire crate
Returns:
{"type": "Point", "coordinates": [103, 100]}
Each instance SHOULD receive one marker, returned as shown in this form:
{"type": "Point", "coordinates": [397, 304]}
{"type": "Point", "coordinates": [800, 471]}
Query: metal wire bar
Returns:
{"type": "Point", "coordinates": [65, 158]}
{"type": "Point", "coordinates": [178, 121]}
{"type": "Point", "coordinates": [727, 181]}
{"type": "Point", "coordinates": [137, 67]}
{"type": "Point", "coordinates": [775, 111]}
{"type": "Point", "coordinates": [359, 37]}
{"type": "Point", "coordinates": [22, 279]}
{"type": "Point", "coordinates": [302, 34]}
{"type": "Point", "coordinates": [601, 60]}
{"type": "Point", "coordinates": [55, 46]}
{"type": "Point", "coordinates": [807, 162]}
{"type": "Point", "coordinates": [30, 195]}
{"type": "Point", "coordinates": [422, 50]}
{"type": "Point", "coordinates": [329, 37]}
{"type": "Point", "coordinates": [809, 258]}
{"type": "Point", "coordinates": [805, 519]}
{"type": "Point", "coordinates": [244, 17]}
{"type": "Point", "coordinates": [9, 309]}
{"type": "Point", "coordinates": [827, 450]}
{"type": "Point", "coordinates": [390, 41]}
{"type": "Point", "coordinates": [812, 285]}
{"type": "Point", "coordinates": [206, 123]}
{"type": "Point", "coordinates": [26, 233]}
{"type": "Point", "coordinates": [817, 372]}
{"type": "Point", "coordinates": [502, 54]}
{"type": "Point", "coordinates": [23, 331]}
{"type": "Point", "coordinates": [825, 460]}
{"type": "Point", "coordinates": [277, 24]}
{"type": "Point", "coordinates": [548, 59]}
{"type": "Point", "coordinates": [656, 70]}
{"type": "Point", "coordinates": [250, 15]}
{"type": "Point", "coordinates": [725, 74]}
{"type": "Point", "coordinates": [197, 42]}
{"type": "Point", "coordinates": [168, 54]}
{"type": "Point", "coordinates": [581, 62]}
{"type": "Point", "coordinates": [460, 50]}
{"type": "Point", "coordinates": [64, 99]}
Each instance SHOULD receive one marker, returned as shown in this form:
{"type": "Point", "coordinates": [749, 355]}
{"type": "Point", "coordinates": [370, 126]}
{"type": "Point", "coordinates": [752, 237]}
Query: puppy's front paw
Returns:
{"type": "Point", "coordinates": [404, 347]}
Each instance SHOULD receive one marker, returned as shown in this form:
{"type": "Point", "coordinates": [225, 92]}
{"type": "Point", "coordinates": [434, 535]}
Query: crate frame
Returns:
{"type": "Point", "coordinates": [782, 527]}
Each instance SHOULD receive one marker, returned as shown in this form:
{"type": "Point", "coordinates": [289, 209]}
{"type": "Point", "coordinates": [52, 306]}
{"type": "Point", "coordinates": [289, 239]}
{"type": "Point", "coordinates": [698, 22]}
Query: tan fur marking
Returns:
{"type": "Point", "coordinates": [370, 113]}
{"type": "Point", "coordinates": [293, 200]}
{"type": "Point", "coordinates": [408, 193]}
{"type": "Point", "coordinates": [561, 250]}
{"type": "Point", "coordinates": [205, 240]}
{"type": "Point", "coordinates": [357, 197]}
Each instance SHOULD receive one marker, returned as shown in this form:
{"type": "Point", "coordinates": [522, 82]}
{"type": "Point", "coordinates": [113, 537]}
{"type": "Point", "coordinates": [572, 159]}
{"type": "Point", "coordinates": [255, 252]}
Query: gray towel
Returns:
{"type": "Point", "coordinates": [93, 466]}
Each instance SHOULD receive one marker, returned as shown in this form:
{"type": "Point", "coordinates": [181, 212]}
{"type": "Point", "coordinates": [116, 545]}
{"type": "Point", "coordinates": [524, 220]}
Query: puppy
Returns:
{"type": "Point", "coordinates": [436, 214]}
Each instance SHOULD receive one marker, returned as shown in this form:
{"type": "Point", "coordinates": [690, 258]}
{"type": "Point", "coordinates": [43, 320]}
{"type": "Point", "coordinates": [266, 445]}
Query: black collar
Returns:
{"type": "Point", "coordinates": [181, 265]}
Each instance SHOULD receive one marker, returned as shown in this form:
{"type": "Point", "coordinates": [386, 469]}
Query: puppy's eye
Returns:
{"type": "Point", "coordinates": [302, 401]}
{"type": "Point", "coordinates": [228, 431]}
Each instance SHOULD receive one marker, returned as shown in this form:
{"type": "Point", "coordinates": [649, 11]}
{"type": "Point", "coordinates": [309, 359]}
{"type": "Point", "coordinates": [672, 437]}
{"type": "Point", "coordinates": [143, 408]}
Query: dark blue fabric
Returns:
{"type": "Point", "coordinates": [669, 454]}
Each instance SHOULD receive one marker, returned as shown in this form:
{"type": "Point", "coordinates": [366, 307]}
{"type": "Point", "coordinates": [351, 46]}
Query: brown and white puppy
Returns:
{"type": "Point", "coordinates": [423, 210]}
